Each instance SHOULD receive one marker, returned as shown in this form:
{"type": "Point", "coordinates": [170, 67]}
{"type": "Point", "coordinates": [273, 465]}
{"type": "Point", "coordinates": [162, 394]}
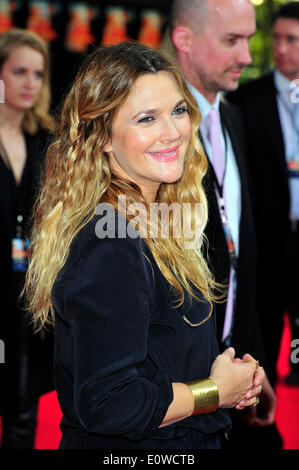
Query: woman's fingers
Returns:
{"type": "Point", "coordinates": [247, 403]}
{"type": "Point", "coordinates": [253, 392]}
{"type": "Point", "coordinates": [259, 376]}
{"type": "Point", "coordinates": [250, 398]}
{"type": "Point", "coordinates": [259, 373]}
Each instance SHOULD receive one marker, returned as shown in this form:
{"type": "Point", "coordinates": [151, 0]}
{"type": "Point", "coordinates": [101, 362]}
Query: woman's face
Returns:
{"type": "Point", "coordinates": [22, 74]}
{"type": "Point", "coordinates": [150, 134]}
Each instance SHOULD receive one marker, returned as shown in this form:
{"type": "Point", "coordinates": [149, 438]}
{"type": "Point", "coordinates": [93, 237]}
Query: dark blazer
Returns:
{"type": "Point", "coordinates": [266, 158]}
{"type": "Point", "coordinates": [246, 332]}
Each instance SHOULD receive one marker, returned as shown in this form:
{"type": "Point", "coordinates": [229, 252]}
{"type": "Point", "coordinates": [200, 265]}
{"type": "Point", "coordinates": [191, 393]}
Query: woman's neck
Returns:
{"type": "Point", "coordinates": [10, 119]}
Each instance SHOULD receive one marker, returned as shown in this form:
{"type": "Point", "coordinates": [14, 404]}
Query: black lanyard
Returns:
{"type": "Point", "coordinates": [221, 204]}
{"type": "Point", "coordinates": [220, 186]}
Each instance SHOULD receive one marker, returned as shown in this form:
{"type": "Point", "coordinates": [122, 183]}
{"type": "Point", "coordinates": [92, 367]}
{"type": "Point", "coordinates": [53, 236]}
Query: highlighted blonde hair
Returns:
{"type": "Point", "coordinates": [38, 115]}
{"type": "Point", "coordinates": [78, 177]}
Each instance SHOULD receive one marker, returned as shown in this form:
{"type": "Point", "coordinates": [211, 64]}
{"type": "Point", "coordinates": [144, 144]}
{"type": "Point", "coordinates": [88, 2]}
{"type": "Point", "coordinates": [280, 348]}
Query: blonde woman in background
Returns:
{"type": "Point", "coordinates": [25, 130]}
{"type": "Point", "coordinates": [133, 312]}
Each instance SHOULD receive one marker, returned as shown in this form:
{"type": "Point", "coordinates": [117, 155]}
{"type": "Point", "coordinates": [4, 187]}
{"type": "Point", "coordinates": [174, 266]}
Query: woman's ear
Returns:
{"type": "Point", "coordinates": [108, 147]}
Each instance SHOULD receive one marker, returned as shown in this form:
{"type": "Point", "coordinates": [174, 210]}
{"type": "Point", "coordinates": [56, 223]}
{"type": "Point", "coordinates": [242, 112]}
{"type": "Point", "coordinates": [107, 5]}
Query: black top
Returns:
{"type": "Point", "coordinates": [18, 199]}
{"type": "Point", "coordinates": [119, 345]}
{"type": "Point", "coordinates": [15, 329]}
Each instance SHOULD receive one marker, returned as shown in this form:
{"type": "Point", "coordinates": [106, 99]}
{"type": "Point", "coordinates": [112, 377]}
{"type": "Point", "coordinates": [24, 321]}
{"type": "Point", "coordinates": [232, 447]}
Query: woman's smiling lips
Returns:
{"type": "Point", "coordinates": [27, 96]}
{"type": "Point", "coordinates": [166, 155]}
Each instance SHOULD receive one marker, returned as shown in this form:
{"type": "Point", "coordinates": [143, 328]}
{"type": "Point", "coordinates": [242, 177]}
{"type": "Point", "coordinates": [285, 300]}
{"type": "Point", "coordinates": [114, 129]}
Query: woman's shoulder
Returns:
{"type": "Point", "coordinates": [42, 134]}
{"type": "Point", "coordinates": [102, 258]}
{"type": "Point", "coordinates": [38, 143]}
{"type": "Point", "coordinates": [107, 238]}
{"type": "Point", "coordinates": [109, 227]}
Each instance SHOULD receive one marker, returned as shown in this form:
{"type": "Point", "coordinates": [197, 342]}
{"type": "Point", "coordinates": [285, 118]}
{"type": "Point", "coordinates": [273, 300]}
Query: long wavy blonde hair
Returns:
{"type": "Point", "coordinates": [38, 115]}
{"type": "Point", "coordinates": [78, 177]}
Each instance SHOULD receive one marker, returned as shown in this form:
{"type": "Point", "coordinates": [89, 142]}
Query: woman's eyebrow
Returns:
{"type": "Point", "coordinates": [157, 111]}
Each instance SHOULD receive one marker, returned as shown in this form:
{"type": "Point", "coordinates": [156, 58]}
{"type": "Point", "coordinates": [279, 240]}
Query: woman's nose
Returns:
{"type": "Point", "coordinates": [169, 132]}
{"type": "Point", "coordinates": [30, 80]}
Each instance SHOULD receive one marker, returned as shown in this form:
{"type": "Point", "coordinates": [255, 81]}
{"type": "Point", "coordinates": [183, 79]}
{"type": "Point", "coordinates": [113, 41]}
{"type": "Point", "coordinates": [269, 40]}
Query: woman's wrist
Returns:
{"type": "Point", "coordinates": [205, 395]}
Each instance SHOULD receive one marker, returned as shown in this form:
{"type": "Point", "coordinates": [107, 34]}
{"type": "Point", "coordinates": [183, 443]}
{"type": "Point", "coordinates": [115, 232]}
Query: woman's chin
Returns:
{"type": "Point", "coordinates": [172, 176]}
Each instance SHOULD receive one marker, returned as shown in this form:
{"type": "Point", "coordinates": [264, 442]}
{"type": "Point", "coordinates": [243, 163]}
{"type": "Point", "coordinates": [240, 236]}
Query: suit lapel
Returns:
{"type": "Point", "coordinates": [269, 111]}
{"type": "Point", "coordinates": [228, 119]}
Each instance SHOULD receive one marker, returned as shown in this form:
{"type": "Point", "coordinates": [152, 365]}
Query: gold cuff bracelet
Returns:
{"type": "Point", "coordinates": [205, 394]}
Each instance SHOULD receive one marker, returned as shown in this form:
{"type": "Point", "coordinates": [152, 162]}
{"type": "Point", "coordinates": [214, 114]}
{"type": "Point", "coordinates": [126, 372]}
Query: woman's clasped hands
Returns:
{"type": "Point", "coordinates": [239, 381]}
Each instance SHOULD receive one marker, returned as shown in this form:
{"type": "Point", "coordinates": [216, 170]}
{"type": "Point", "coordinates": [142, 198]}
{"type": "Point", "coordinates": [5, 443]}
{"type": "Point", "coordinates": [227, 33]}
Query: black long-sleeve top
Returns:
{"type": "Point", "coordinates": [120, 344]}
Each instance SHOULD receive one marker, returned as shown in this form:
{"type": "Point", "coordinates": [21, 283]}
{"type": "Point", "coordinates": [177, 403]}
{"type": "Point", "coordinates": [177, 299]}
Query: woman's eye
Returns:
{"type": "Point", "coordinates": [39, 74]}
{"type": "Point", "coordinates": [181, 110]}
{"type": "Point", "coordinates": [21, 71]}
{"type": "Point", "coordinates": [146, 119]}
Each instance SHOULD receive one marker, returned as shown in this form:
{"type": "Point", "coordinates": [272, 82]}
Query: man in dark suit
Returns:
{"type": "Point", "coordinates": [211, 47]}
{"type": "Point", "coordinates": [270, 111]}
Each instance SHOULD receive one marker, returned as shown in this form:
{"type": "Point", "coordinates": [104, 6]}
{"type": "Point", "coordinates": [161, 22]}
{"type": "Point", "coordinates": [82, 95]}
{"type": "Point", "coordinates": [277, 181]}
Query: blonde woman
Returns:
{"type": "Point", "coordinates": [25, 126]}
{"type": "Point", "coordinates": [132, 302]}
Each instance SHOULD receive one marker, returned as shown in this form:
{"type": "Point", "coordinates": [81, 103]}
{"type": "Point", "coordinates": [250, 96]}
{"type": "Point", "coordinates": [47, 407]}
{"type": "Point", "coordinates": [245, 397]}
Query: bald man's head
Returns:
{"type": "Point", "coordinates": [211, 42]}
{"type": "Point", "coordinates": [192, 13]}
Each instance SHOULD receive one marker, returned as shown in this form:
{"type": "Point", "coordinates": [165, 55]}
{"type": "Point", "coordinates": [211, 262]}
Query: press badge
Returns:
{"type": "Point", "coordinates": [20, 254]}
{"type": "Point", "coordinates": [293, 166]}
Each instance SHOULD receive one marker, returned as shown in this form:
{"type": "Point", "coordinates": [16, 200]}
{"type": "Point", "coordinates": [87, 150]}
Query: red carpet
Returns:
{"type": "Point", "coordinates": [48, 433]}
{"type": "Point", "coordinates": [287, 415]}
